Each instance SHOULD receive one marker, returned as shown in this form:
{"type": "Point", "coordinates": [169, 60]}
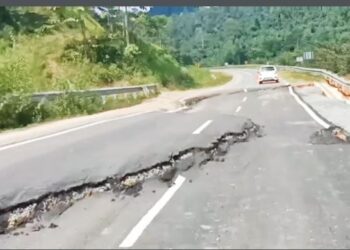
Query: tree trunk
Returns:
{"type": "Point", "coordinates": [126, 26]}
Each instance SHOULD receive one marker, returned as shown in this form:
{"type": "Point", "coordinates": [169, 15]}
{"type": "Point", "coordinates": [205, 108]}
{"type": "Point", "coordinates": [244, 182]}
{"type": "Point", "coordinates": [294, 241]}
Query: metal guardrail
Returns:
{"type": "Point", "coordinates": [103, 92]}
{"type": "Point", "coordinates": [333, 79]}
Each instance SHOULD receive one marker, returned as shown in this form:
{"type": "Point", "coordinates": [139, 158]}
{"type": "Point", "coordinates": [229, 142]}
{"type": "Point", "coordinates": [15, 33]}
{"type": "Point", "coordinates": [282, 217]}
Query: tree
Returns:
{"type": "Point", "coordinates": [81, 16]}
{"type": "Point", "coordinates": [6, 18]}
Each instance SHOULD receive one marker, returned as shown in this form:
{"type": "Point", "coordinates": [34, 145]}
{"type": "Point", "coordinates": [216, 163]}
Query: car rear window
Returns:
{"type": "Point", "coordinates": [268, 69]}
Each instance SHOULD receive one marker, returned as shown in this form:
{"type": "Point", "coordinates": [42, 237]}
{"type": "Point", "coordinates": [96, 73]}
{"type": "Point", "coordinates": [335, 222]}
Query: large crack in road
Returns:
{"type": "Point", "coordinates": [31, 212]}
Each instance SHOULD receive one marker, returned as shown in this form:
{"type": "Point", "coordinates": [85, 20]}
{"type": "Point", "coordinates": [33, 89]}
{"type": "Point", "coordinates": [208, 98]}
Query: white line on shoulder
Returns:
{"type": "Point", "coordinates": [68, 131]}
{"type": "Point", "coordinates": [308, 110]}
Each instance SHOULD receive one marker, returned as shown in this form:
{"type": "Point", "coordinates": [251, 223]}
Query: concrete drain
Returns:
{"type": "Point", "coordinates": [54, 204]}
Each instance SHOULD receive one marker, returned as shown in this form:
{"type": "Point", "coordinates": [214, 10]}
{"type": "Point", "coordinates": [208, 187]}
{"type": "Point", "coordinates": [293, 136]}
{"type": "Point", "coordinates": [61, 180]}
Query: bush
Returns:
{"type": "Point", "coordinates": [287, 58]}
{"type": "Point", "coordinates": [165, 69]}
{"type": "Point", "coordinates": [16, 111]}
{"type": "Point", "coordinates": [71, 104]}
{"type": "Point", "coordinates": [102, 50]}
{"type": "Point", "coordinates": [15, 76]}
{"type": "Point", "coordinates": [107, 74]}
{"type": "Point", "coordinates": [20, 110]}
{"type": "Point", "coordinates": [131, 51]}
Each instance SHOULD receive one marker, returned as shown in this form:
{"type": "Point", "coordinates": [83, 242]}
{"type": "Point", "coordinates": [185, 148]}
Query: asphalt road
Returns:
{"type": "Point", "coordinates": [115, 146]}
{"type": "Point", "coordinates": [276, 191]}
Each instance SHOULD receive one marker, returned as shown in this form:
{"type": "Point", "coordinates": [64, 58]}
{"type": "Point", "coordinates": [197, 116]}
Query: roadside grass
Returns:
{"type": "Point", "coordinates": [53, 61]}
{"type": "Point", "coordinates": [249, 66]}
{"type": "Point", "coordinates": [50, 62]}
{"type": "Point", "coordinates": [20, 112]}
{"type": "Point", "coordinates": [297, 78]}
{"type": "Point", "coordinates": [40, 56]}
{"type": "Point", "coordinates": [205, 78]}
{"type": "Point", "coordinates": [35, 65]}
{"type": "Point", "coordinates": [246, 66]}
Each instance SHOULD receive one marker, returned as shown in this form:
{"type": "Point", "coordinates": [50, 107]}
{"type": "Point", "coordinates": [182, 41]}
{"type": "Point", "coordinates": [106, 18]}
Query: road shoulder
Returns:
{"type": "Point", "coordinates": [166, 101]}
{"type": "Point", "coordinates": [334, 110]}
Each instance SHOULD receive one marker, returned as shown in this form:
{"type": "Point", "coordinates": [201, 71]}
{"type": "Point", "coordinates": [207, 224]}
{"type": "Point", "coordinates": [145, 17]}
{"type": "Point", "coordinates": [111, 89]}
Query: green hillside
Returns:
{"type": "Point", "coordinates": [68, 48]}
{"type": "Point", "coordinates": [262, 34]}
{"type": "Point", "coordinates": [72, 48]}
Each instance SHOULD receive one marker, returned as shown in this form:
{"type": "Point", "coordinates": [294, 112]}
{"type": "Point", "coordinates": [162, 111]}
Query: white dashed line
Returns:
{"type": "Point", "coordinates": [136, 232]}
{"type": "Point", "coordinates": [202, 127]}
{"type": "Point", "coordinates": [245, 99]}
{"type": "Point", "coordinates": [245, 90]}
{"type": "Point", "coordinates": [238, 109]}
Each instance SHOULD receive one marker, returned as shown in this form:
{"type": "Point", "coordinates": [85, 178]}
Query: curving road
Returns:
{"type": "Point", "coordinates": [274, 191]}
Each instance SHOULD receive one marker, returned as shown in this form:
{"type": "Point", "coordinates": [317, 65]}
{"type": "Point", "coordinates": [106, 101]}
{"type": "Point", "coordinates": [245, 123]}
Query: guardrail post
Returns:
{"type": "Point", "coordinates": [103, 99]}
{"type": "Point", "coordinates": [41, 102]}
{"type": "Point", "coordinates": [145, 90]}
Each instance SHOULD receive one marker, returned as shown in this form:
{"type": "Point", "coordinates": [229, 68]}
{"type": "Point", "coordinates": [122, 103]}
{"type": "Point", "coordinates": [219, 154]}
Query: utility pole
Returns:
{"type": "Point", "coordinates": [109, 21]}
{"type": "Point", "coordinates": [126, 25]}
{"type": "Point", "coordinates": [298, 44]}
{"type": "Point", "coordinates": [202, 38]}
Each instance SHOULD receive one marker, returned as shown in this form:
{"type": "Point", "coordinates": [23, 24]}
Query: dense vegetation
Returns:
{"type": "Point", "coordinates": [213, 36]}
{"type": "Point", "coordinates": [70, 48]}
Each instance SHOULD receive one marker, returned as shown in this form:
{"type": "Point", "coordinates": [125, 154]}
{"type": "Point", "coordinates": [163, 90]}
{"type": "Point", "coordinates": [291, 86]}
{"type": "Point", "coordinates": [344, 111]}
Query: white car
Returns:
{"type": "Point", "coordinates": [267, 73]}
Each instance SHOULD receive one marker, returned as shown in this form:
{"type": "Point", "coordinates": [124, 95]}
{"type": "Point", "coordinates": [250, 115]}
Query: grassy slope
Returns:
{"type": "Point", "coordinates": [295, 77]}
{"type": "Point", "coordinates": [39, 56]}
{"type": "Point", "coordinates": [205, 78]}
{"type": "Point", "coordinates": [37, 63]}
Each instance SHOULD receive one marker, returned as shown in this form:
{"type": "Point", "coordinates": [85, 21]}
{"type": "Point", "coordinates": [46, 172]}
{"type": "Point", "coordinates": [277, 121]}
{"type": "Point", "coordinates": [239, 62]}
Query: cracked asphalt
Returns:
{"type": "Point", "coordinates": [275, 191]}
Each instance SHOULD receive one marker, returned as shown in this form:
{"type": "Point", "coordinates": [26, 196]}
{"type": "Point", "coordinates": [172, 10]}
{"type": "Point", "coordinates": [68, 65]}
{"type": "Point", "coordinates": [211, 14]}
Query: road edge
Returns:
{"type": "Point", "coordinates": [337, 130]}
{"type": "Point", "coordinates": [309, 109]}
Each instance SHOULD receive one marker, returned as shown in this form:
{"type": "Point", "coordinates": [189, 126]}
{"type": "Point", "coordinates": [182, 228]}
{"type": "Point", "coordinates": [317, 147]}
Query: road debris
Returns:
{"type": "Point", "coordinates": [53, 225]}
{"type": "Point", "coordinates": [331, 135]}
{"type": "Point", "coordinates": [37, 227]}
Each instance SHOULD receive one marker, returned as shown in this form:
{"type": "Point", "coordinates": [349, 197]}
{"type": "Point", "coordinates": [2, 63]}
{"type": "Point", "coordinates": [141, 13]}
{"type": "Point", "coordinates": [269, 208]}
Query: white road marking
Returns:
{"type": "Point", "coordinates": [176, 110]}
{"type": "Point", "coordinates": [202, 127]}
{"type": "Point", "coordinates": [308, 110]}
{"type": "Point", "coordinates": [136, 232]}
{"type": "Point", "coordinates": [68, 131]}
{"type": "Point", "coordinates": [106, 231]}
{"type": "Point", "coordinates": [245, 90]}
{"type": "Point", "coordinates": [238, 109]}
{"type": "Point", "coordinates": [245, 99]}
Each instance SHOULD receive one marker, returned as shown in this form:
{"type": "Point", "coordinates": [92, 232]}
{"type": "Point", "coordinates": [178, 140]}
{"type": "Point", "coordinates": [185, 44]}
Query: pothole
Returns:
{"type": "Point", "coordinates": [331, 135]}
{"type": "Point", "coordinates": [51, 205]}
